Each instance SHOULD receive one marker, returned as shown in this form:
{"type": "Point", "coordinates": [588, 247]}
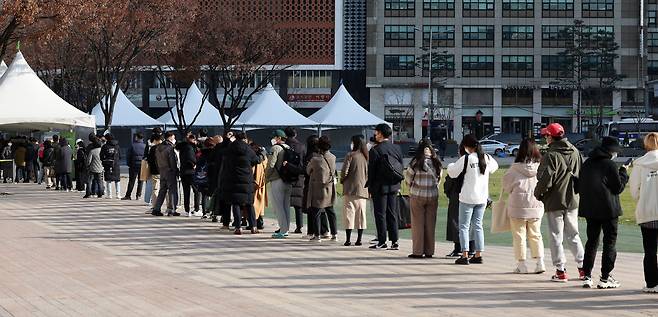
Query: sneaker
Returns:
{"type": "Point", "coordinates": [334, 238]}
{"type": "Point", "coordinates": [378, 246]}
{"type": "Point", "coordinates": [125, 198]}
{"type": "Point", "coordinates": [173, 213]}
{"type": "Point", "coordinates": [610, 282]}
{"type": "Point", "coordinates": [560, 276]}
{"type": "Point", "coordinates": [197, 214]}
{"type": "Point", "coordinates": [454, 254]}
{"type": "Point", "coordinates": [347, 243]}
{"type": "Point", "coordinates": [476, 260]}
{"type": "Point", "coordinates": [650, 290]}
{"type": "Point", "coordinates": [581, 274]}
{"type": "Point", "coordinates": [587, 282]}
{"type": "Point", "coordinates": [298, 230]}
{"type": "Point", "coordinates": [316, 239]}
{"type": "Point", "coordinates": [374, 241]}
{"type": "Point", "coordinates": [157, 213]}
{"type": "Point", "coordinates": [394, 246]}
{"type": "Point", "coordinates": [278, 236]}
{"type": "Point", "coordinates": [237, 231]}
{"type": "Point", "coordinates": [358, 243]}
{"type": "Point", "coordinates": [540, 268]}
{"type": "Point", "coordinates": [326, 236]}
{"type": "Point", "coordinates": [521, 268]}
{"type": "Point", "coordinates": [462, 261]}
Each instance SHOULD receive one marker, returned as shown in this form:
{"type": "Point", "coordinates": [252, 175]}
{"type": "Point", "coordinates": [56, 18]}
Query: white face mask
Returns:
{"type": "Point", "coordinates": [273, 141]}
{"type": "Point", "coordinates": [352, 146]}
{"type": "Point", "coordinates": [614, 156]}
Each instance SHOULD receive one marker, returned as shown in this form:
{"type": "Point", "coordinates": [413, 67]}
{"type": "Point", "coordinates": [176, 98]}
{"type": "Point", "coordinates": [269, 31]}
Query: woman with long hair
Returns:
{"type": "Point", "coordinates": [355, 194]}
{"type": "Point", "coordinates": [473, 196]}
{"type": "Point", "coordinates": [423, 177]}
{"type": "Point", "coordinates": [524, 210]}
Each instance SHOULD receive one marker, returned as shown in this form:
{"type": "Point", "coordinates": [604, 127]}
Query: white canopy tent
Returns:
{"type": "Point", "coordinates": [26, 103]}
{"type": "Point", "coordinates": [208, 117]}
{"type": "Point", "coordinates": [3, 68]}
{"type": "Point", "coordinates": [342, 111]}
{"type": "Point", "coordinates": [270, 111]}
{"type": "Point", "coordinates": [125, 114]}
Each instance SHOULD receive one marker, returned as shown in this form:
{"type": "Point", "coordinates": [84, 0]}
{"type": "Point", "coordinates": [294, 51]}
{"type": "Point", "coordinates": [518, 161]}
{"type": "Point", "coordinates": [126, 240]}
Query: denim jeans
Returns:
{"type": "Point", "coordinates": [470, 225]}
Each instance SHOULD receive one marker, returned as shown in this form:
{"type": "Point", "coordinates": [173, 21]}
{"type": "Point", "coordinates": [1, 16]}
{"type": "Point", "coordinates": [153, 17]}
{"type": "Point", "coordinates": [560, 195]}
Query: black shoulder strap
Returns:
{"type": "Point", "coordinates": [466, 156]}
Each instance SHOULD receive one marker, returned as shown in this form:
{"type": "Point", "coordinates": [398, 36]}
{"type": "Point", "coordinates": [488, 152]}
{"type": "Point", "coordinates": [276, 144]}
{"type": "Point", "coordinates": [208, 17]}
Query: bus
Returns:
{"type": "Point", "coordinates": [629, 130]}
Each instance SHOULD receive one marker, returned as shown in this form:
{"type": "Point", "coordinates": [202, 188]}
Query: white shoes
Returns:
{"type": "Point", "coordinates": [650, 290]}
{"type": "Point", "coordinates": [198, 214]}
{"type": "Point", "coordinates": [609, 283]}
{"type": "Point", "coordinates": [587, 282]}
{"type": "Point", "coordinates": [540, 268]}
{"type": "Point", "coordinates": [521, 268]}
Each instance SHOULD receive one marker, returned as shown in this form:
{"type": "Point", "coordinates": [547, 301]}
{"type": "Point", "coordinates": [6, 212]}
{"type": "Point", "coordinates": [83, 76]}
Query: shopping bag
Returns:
{"type": "Point", "coordinates": [404, 212]}
{"type": "Point", "coordinates": [499, 220]}
{"type": "Point", "coordinates": [144, 171]}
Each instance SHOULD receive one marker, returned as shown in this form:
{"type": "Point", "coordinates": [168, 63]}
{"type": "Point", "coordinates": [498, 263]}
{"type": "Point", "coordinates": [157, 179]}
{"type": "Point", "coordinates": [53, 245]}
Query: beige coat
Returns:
{"type": "Point", "coordinates": [321, 185]}
{"type": "Point", "coordinates": [520, 182]}
{"type": "Point", "coordinates": [355, 174]}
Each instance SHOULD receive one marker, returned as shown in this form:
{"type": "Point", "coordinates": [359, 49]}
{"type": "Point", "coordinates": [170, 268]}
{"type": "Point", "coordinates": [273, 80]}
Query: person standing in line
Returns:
{"type": "Point", "coordinates": [239, 181]}
{"type": "Point", "coordinates": [223, 207]}
{"type": "Point", "coordinates": [156, 140]}
{"type": "Point", "coordinates": [48, 162]}
{"type": "Point", "coordinates": [260, 192]}
{"type": "Point", "coordinates": [524, 210]}
{"type": "Point", "coordinates": [321, 171]}
{"type": "Point", "coordinates": [38, 153]}
{"type": "Point", "coordinates": [63, 165]}
{"type": "Point", "coordinates": [643, 185]}
{"type": "Point", "coordinates": [30, 157]}
{"type": "Point", "coordinates": [556, 188]}
{"type": "Point", "coordinates": [80, 165]}
{"type": "Point", "coordinates": [94, 167]}
{"type": "Point", "coordinates": [473, 196]}
{"type": "Point", "coordinates": [297, 193]}
{"type": "Point", "coordinates": [423, 177]}
{"type": "Point", "coordinates": [167, 164]}
{"type": "Point", "coordinates": [134, 162]}
{"type": "Point", "coordinates": [148, 188]}
{"type": "Point", "coordinates": [385, 169]}
{"type": "Point", "coordinates": [600, 184]}
{"type": "Point", "coordinates": [110, 155]}
{"type": "Point", "coordinates": [451, 188]}
{"type": "Point", "coordinates": [19, 160]}
{"type": "Point", "coordinates": [279, 190]}
{"type": "Point", "coordinates": [312, 147]}
{"type": "Point", "coordinates": [188, 161]}
{"type": "Point", "coordinates": [56, 155]}
{"type": "Point", "coordinates": [355, 195]}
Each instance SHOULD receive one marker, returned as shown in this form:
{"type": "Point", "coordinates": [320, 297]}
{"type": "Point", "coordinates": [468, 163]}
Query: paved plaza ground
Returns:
{"type": "Point", "coordinates": [61, 255]}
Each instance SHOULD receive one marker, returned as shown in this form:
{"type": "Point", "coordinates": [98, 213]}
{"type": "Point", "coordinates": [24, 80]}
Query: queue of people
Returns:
{"type": "Point", "coordinates": [231, 179]}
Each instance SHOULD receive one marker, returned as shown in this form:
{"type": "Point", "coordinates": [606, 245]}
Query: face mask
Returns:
{"type": "Point", "coordinates": [273, 141]}
{"type": "Point", "coordinates": [614, 156]}
{"type": "Point", "coordinates": [352, 146]}
{"type": "Point", "coordinates": [8, 144]}
{"type": "Point", "coordinates": [232, 139]}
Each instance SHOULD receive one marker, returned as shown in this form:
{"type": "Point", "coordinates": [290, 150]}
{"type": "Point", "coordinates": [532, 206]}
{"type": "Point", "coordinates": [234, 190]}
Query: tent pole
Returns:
{"type": "Point", "coordinates": [319, 131]}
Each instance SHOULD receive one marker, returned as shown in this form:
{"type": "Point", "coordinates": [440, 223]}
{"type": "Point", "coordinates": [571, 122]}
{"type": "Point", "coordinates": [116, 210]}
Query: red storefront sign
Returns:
{"type": "Point", "coordinates": [309, 97]}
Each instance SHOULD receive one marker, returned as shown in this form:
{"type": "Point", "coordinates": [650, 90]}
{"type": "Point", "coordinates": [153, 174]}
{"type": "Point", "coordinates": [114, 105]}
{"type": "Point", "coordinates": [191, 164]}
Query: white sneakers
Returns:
{"type": "Point", "coordinates": [540, 268]}
{"type": "Point", "coordinates": [587, 282]}
{"type": "Point", "coordinates": [522, 268]}
{"type": "Point", "coordinates": [609, 283]}
{"type": "Point", "coordinates": [651, 290]}
{"type": "Point", "coordinates": [198, 213]}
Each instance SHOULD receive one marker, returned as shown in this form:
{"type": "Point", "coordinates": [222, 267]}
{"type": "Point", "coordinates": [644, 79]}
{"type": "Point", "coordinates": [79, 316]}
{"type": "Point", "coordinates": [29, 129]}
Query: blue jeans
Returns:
{"type": "Point", "coordinates": [470, 225]}
{"type": "Point", "coordinates": [147, 191]}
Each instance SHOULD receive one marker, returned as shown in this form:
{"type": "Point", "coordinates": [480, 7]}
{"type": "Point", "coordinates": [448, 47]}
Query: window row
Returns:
{"type": "Point", "coordinates": [511, 8]}
{"type": "Point", "coordinates": [552, 66]}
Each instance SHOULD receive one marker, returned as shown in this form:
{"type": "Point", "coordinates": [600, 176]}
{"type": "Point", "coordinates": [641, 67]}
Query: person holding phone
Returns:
{"type": "Point", "coordinates": [600, 184]}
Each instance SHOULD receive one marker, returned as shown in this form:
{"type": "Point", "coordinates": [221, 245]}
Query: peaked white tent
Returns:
{"type": "Point", "coordinates": [125, 114]}
{"type": "Point", "coordinates": [3, 68]}
{"type": "Point", "coordinates": [269, 110]}
{"type": "Point", "coordinates": [208, 117]}
{"type": "Point", "coordinates": [26, 103]}
{"type": "Point", "coordinates": [343, 111]}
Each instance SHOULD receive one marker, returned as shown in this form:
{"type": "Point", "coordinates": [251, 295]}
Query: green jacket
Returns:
{"type": "Point", "coordinates": [555, 186]}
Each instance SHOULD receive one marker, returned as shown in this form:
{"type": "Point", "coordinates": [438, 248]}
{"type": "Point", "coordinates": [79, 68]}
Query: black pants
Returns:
{"type": "Point", "coordinates": [311, 223]}
{"type": "Point", "coordinates": [168, 186]}
{"type": "Point", "coordinates": [28, 172]}
{"type": "Point", "coordinates": [133, 174]}
{"type": "Point", "coordinates": [386, 216]}
{"type": "Point", "coordinates": [225, 212]}
{"type": "Point", "coordinates": [594, 228]}
{"type": "Point", "coordinates": [331, 216]}
{"type": "Point", "coordinates": [65, 181]}
{"type": "Point", "coordinates": [245, 210]}
{"type": "Point", "coordinates": [299, 217]}
{"type": "Point", "coordinates": [650, 243]}
{"type": "Point", "coordinates": [186, 180]}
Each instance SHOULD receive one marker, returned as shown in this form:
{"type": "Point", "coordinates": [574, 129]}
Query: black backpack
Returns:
{"type": "Point", "coordinates": [293, 169]}
{"type": "Point", "coordinates": [200, 178]}
{"type": "Point", "coordinates": [390, 169]}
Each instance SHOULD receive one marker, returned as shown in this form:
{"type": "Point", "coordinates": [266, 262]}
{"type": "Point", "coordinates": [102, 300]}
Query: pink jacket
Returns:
{"type": "Point", "coordinates": [520, 181]}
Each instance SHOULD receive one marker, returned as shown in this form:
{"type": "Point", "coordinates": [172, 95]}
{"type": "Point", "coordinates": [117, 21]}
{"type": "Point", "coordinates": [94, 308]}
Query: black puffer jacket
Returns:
{"type": "Point", "coordinates": [297, 194]}
{"type": "Point", "coordinates": [110, 156]}
{"type": "Point", "coordinates": [237, 173]}
{"type": "Point", "coordinates": [600, 182]}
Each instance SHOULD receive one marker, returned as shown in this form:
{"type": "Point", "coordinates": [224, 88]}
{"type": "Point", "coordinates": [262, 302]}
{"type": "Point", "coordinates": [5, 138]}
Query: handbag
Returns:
{"type": "Point", "coordinates": [500, 221]}
{"type": "Point", "coordinates": [144, 171]}
{"type": "Point", "coordinates": [404, 212]}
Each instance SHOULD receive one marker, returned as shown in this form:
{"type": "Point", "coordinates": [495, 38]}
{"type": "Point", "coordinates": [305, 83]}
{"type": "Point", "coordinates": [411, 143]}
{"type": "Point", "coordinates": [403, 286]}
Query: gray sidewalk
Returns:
{"type": "Point", "coordinates": [63, 256]}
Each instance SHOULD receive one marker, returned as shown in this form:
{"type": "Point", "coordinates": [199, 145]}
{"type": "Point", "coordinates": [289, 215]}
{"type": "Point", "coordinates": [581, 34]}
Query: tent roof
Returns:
{"type": "Point", "coordinates": [209, 115]}
{"type": "Point", "coordinates": [343, 111]}
{"type": "Point", "coordinates": [269, 110]}
{"type": "Point", "coordinates": [3, 68]}
{"type": "Point", "coordinates": [26, 103]}
{"type": "Point", "coordinates": [126, 114]}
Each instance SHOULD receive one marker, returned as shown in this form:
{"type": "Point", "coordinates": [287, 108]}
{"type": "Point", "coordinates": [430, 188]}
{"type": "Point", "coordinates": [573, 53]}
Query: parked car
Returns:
{"type": "Point", "coordinates": [494, 147]}
{"type": "Point", "coordinates": [582, 144]}
{"type": "Point", "coordinates": [513, 149]}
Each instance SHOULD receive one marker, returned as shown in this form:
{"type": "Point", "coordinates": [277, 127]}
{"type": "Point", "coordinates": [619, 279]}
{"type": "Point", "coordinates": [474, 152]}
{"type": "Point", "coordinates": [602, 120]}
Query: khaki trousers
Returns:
{"type": "Point", "coordinates": [423, 224]}
{"type": "Point", "coordinates": [527, 230]}
{"type": "Point", "coordinates": [354, 212]}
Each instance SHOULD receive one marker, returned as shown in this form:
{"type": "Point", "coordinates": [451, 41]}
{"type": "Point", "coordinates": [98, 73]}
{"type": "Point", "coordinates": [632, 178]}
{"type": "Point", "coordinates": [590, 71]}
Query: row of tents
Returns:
{"type": "Point", "coordinates": [27, 103]}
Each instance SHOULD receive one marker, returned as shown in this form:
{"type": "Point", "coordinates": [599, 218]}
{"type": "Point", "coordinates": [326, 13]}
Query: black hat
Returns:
{"type": "Point", "coordinates": [610, 144]}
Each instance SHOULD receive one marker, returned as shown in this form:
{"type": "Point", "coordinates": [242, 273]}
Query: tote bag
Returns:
{"type": "Point", "coordinates": [499, 220]}
{"type": "Point", "coordinates": [144, 171]}
{"type": "Point", "coordinates": [404, 212]}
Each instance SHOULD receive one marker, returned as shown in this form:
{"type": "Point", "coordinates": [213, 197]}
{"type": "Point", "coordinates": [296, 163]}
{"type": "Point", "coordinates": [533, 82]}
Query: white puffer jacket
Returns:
{"type": "Point", "coordinates": [643, 184]}
{"type": "Point", "coordinates": [520, 182]}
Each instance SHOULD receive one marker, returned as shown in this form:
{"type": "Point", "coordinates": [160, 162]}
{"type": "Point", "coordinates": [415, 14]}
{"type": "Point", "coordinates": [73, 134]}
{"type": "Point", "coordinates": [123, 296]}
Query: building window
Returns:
{"type": "Point", "coordinates": [439, 8]}
{"type": "Point", "coordinates": [443, 66]}
{"type": "Point", "coordinates": [598, 8]}
{"type": "Point", "coordinates": [553, 66]}
{"type": "Point", "coordinates": [518, 35]}
{"type": "Point", "coordinates": [399, 8]}
{"type": "Point", "coordinates": [518, 66]}
{"type": "Point", "coordinates": [399, 36]}
{"type": "Point", "coordinates": [399, 65]}
{"type": "Point", "coordinates": [478, 35]}
{"type": "Point", "coordinates": [478, 66]}
{"type": "Point", "coordinates": [442, 35]}
{"type": "Point", "coordinates": [557, 8]}
{"type": "Point", "coordinates": [652, 69]}
{"type": "Point", "coordinates": [518, 8]}
{"type": "Point", "coordinates": [517, 97]}
{"type": "Point", "coordinates": [557, 36]}
{"type": "Point", "coordinates": [594, 33]}
{"type": "Point", "coordinates": [557, 97]}
{"type": "Point", "coordinates": [652, 42]}
{"type": "Point", "coordinates": [651, 16]}
{"type": "Point", "coordinates": [303, 79]}
{"type": "Point", "coordinates": [479, 8]}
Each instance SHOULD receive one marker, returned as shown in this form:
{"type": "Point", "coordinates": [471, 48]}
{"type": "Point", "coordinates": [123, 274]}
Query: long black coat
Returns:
{"type": "Point", "coordinates": [297, 194]}
{"type": "Point", "coordinates": [187, 154]}
{"type": "Point", "coordinates": [63, 163]}
{"type": "Point", "coordinates": [599, 184]}
{"type": "Point", "coordinates": [376, 183]}
{"type": "Point", "coordinates": [237, 174]}
{"type": "Point", "coordinates": [111, 173]}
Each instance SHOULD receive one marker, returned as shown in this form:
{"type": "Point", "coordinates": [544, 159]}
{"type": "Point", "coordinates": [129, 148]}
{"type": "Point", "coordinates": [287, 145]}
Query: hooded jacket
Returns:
{"type": "Point", "coordinates": [644, 186]}
{"type": "Point", "coordinates": [94, 163]}
{"type": "Point", "coordinates": [238, 173]}
{"type": "Point", "coordinates": [520, 182]}
{"type": "Point", "coordinates": [599, 184]}
{"type": "Point", "coordinates": [555, 186]}
{"type": "Point", "coordinates": [476, 185]}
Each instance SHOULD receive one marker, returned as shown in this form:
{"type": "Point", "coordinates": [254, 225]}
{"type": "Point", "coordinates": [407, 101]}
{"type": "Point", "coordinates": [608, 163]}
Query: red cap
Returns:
{"type": "Point", "coordinates": [555, 129]}
{"type": "Point", "coordinates": [543, 132]}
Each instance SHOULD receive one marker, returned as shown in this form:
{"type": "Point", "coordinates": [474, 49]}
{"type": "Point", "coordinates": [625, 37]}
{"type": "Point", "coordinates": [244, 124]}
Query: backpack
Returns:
{"type": "Point", "coordinates": [390, 169]}
{"type": "Point", "coordinates": [107, 156]}
{"type": "Point", "coordinates": [293, 169]}
{"type": "Point", "coordinates": [200, 178]}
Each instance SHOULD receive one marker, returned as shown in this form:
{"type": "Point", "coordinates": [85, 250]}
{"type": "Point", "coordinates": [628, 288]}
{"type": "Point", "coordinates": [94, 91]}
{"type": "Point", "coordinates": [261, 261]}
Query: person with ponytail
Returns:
{"type": "Point", "coordinates": [473, 196]}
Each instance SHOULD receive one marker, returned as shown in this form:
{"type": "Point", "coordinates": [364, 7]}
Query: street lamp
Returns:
{"type": "Point", "coordinates": [430, 97]}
